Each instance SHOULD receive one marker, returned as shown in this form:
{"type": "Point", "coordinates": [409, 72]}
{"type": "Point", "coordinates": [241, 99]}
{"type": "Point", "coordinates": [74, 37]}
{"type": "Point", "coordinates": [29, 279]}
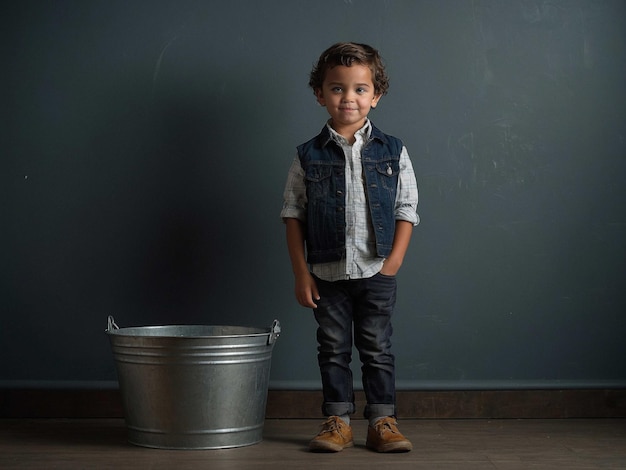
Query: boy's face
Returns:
{"type": "Point", "coordinates": [348, 94]}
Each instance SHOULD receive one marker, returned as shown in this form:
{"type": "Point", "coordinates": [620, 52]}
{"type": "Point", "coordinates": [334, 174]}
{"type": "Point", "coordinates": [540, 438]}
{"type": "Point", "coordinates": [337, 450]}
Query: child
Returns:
{"type": "Point", "coordinates": [350, 207]}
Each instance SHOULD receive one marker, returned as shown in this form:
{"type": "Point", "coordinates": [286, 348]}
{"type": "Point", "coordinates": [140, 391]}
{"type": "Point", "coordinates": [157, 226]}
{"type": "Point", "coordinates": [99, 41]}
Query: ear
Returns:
{"type": "Point", "coordinates": [320, 97]}
{"type": "Point", "coordinates": [375, 100]}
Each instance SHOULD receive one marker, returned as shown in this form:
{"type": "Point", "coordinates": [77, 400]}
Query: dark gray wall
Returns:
{"type": "Point", "coordinates": [145, 144]}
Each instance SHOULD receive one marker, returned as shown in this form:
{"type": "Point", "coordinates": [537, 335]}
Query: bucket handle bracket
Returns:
{"type": "Point", "coordinates": [274, 332]}
{"type": "Point", "coordinates": [111, 325]}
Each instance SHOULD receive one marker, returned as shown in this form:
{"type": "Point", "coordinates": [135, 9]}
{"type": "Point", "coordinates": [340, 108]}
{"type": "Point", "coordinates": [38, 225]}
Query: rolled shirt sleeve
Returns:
{"type": "Point", "coordinates": [407, 194]}
{"type": "Point", "coordinates": [294, 205]}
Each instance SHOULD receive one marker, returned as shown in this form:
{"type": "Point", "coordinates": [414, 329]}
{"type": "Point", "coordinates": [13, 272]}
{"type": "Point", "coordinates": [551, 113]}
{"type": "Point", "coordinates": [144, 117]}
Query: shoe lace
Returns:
{"type": "Point", "coordinates": [387, 426]}
{"type": "Point", "coordinates": [331, 425]}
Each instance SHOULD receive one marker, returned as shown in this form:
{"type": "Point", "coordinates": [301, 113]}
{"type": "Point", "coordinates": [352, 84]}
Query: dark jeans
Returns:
{"type": "Point", "coordinates": [368, 304]}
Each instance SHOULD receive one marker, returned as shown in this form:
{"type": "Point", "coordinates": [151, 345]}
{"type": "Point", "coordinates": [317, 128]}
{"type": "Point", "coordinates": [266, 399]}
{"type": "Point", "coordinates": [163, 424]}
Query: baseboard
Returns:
{"type": "Point", "coordinates": [302, 404]}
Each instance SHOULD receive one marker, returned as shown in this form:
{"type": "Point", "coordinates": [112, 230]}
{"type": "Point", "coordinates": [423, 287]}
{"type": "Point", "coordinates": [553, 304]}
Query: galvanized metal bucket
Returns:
{"type": "Point", "coordinates": [193, 386]}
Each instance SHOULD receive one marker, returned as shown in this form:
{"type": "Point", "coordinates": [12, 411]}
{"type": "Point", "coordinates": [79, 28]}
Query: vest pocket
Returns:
{"type": "Point", "coordinates": [388, 171]}
{"type": "Point", "coordinates": [318, 179]}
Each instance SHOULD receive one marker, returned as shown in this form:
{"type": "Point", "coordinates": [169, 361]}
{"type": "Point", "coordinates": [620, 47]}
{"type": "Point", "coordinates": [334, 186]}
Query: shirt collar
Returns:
{"type": "Point", "coordinates": [364, 132]}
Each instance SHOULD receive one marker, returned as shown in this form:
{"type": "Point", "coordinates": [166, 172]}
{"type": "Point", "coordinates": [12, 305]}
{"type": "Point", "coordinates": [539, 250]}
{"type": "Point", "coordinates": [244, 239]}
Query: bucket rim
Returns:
{"type": "Point", "coordinates": [129, 331]}
{"type": "Point", "coordinates": [273, 332]}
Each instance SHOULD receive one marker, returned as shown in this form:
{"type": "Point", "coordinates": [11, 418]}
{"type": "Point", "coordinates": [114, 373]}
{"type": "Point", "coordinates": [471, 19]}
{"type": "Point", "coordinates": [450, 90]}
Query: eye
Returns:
{"type": "Point", "coordinates": [360, 90]}
{"type": "Point", "coordinates": [336, 89]}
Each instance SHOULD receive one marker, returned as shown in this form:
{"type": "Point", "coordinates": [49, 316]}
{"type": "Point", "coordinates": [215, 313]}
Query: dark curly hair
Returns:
{"type": "Point", "coordinates": [348, 53]}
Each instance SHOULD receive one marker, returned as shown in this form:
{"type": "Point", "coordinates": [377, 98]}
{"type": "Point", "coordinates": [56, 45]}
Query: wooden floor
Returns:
{"type": "Point", "coordinates": [438, 444]}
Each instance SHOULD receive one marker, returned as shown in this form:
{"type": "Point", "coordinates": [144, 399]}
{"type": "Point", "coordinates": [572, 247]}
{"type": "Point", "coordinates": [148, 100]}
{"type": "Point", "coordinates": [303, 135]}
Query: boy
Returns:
{"type": "Point", "coordinates": [350, 207]}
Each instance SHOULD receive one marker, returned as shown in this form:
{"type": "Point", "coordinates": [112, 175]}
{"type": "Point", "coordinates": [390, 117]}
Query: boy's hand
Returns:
{"type": "Point", "coordinates": [390, 267]}
{"type": "Point", "coordinates": [401, 239]}
{"type": "Point", "coordinates": [306, 290]}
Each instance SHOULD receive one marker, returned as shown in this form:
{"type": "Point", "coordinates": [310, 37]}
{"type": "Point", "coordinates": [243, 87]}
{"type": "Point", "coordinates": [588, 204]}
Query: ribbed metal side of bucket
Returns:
{"type": "Point", "coordinates": [193, 387]}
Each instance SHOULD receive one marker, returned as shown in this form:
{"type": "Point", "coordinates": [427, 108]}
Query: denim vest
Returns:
{"type": "Point", "coordinates": [323, 162]}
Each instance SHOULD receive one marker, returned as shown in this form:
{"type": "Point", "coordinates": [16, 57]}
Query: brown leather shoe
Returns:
{"type": "Point", "coordinates": [335, 436]}
{"type": "Point", "coordinates": [385, 437]}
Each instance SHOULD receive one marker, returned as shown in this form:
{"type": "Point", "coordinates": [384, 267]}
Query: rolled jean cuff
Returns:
{"type": "Point", "coordinates": [338, 408]}
{"type": "Point", "coordinates": [379, 409]}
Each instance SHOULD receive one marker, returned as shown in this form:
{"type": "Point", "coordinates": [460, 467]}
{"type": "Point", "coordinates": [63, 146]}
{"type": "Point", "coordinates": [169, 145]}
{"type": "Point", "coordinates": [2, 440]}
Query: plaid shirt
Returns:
{"type": "Point", "coordinates": [360, 259]}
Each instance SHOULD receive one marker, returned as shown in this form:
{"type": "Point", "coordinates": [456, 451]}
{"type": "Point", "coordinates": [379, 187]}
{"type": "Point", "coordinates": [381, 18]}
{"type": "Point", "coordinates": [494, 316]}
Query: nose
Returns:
{"type": "Point", "coordinates": [348, 95]}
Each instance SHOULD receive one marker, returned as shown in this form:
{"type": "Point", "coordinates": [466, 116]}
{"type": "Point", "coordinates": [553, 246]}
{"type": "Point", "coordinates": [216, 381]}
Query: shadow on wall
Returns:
{"type": "Point", "coordinates": [183, 227]}
{"type": "Point", "coordinates": [200, 246]}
